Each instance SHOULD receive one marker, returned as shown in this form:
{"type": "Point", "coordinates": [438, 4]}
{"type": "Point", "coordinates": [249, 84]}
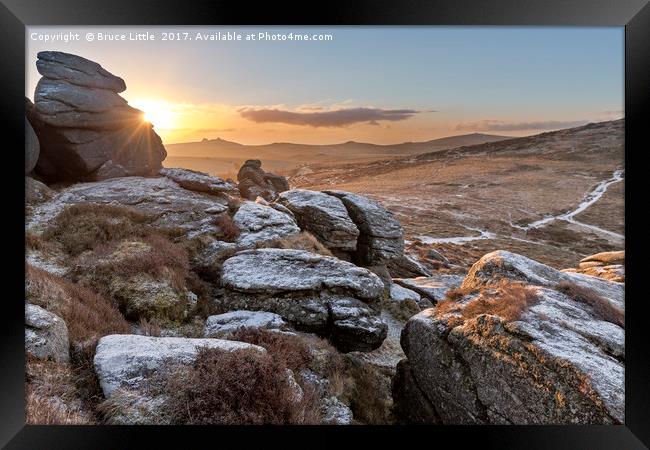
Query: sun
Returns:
{"type": "Point", "coordinates": [157, 112]}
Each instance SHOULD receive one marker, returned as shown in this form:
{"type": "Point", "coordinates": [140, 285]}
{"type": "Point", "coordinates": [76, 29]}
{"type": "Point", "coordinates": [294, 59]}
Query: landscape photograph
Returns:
{"type": "Point", "coordinates": [324, 225]}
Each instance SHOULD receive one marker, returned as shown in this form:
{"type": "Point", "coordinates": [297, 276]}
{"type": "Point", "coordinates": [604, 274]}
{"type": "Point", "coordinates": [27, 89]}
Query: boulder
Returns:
{"type": "Point", "coordinates": [222, 325]}
{"type": "Point", "coordinates": [259, 223]}
{"type": "Point", "coordinates": [255, 182]}
{"type": "Point", "coordinates": [381, 236]}
{"type": "Point", "coordinates": [606, 265]}
{"type": "Point", "coordinates": [324, 216]}
{"type": "Point", "coordinates": [314, 293]}
{"type": "Point", "coordinates": [501, 264]}
{"type": "Point", "coordinates": [46, 335]}
{"type": "Point", "coordinates": [32, 147]}
{"type": "Point", "coordinates": [335, 412]}
{"type": "Point", "coordinates": [86, 130]}
{"type": "Point", "coordinates": [169, 205]}
{"type": "Point", "coordinates": [36, 192]}
{"type": "Point", "coordinates": [198, 181]}
{"type": "Point", "coordinates": [558, 362]}
{"type": "Point", "coordinates": [124, 360]}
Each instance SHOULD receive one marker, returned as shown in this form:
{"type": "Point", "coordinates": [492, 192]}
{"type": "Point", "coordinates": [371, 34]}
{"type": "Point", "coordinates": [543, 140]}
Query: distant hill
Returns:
{"type": "Point", "coordinates": [222, 157]}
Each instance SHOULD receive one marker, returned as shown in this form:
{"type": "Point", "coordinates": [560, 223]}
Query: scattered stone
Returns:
{"type": "Point", "coordinates": [46, 335]}
{"type": "Point", "coordinates": [324, 216]}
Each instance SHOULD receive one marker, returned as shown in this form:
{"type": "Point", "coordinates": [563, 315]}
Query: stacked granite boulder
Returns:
{"type": "Point", "coordinates": [86, 130]}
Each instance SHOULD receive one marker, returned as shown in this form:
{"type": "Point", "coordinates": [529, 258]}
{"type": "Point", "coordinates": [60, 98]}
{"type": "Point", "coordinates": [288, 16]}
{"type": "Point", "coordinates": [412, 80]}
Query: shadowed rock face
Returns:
{"type": "Point", "coordinates": [87, 131]}
{"type": "Point", "coordinates": [558, 362]}
{"type": "Point", "coordinates": [255, 182]}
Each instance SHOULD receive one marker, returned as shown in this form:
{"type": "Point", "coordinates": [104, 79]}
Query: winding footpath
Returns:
{"type": "Point", "coordinates": [591, 198]}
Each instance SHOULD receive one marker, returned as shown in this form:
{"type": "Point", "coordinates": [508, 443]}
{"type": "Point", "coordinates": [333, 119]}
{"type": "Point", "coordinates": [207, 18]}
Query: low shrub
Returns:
{"type": "Point", "coordinates": [82, 227]}
{"type": "Point", "coordinates": [600, 307]}
{"type": "Point", "coordinates": [291, 351]}
{"type": "Point", "coordinates": [228, 229]}
{"type": "Point", "coordinates": [235, 388]}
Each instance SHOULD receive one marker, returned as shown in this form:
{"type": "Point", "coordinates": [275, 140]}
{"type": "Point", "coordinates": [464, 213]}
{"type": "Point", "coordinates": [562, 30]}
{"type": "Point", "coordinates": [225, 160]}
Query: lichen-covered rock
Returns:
{"type": "Point", "coordinates": [381, 236]}
{"type": "Point", "coordinates": [46, 334]}
{"type": "Point", "coordinates": [222, 325]}
{"type": "Point", "coordinates": [169, 205]}
{"type": "Point", "coordinates": [323, 215]}
{"type": "Point", "coordinates": [86, 130]}
{"type": "Point", "coordinates": [259, 223]}
{"type": "Point", "coordinates": [198, 181]}
{"type": "Point", "coordinates": [559, 362]}
{"type": "Point", "coordinates": [125, 360]}
{"type": "Point", "coordinates": [335, 412]}
{"type": "Point", "coordinates": [145, 296]}
{"type": "Point", "coordinates": [313, 292]}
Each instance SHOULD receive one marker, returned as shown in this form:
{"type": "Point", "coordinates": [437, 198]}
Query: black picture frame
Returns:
{"type": "Point", "coordinates": [634, 15]}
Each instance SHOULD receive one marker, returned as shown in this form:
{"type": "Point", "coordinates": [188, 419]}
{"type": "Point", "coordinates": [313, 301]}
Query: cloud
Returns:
{"type": "Point", "coordinates": [333, 118]}
{"type": "Point", "coordinates": [500, 125]}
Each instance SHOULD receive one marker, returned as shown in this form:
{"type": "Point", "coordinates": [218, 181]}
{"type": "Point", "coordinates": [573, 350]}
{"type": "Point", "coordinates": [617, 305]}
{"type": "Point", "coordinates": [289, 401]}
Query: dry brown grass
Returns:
{"type": "Point", "coordinates": [302, 241]}
{"type": "Point", "coordinates": [236, 388]}
{"type": "Point", "coordinates": [228, 230]}
{"type": "Point", "coordinates": [600, 307]}
{"type": "Point", "coordinates": [88, 315]}
{"type": "Point", "coordinates": [82, 227]}
{"type": "Point", "coordinates": [506, 299]}
{"type": "Point", "coordinates": [290, 351]}
{"type": "Point", "coordinates": [150, 327]}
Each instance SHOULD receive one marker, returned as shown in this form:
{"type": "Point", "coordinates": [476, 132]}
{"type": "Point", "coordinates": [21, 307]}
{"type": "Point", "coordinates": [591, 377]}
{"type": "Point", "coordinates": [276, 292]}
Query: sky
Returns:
{"type": "Point", "coordinates": [370, 84]}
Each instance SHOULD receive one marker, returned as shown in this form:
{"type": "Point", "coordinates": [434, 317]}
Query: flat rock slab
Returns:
{"type": "Point", "coordinates": [278, 270]}
{"type": "Point", "coordinates": [124, 360]}
{"type": "Point", "coordinates": [198, 181]}
{"type": "Point", "coordinates": [165, 201]}
{"type": "Point", "coordinates": [223, 324]}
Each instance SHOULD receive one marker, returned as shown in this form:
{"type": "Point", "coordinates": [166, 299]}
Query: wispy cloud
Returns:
{"type": "Point", "coordinates": [332, 118]}
{"type": "Point", "coordinates": [501, 125]}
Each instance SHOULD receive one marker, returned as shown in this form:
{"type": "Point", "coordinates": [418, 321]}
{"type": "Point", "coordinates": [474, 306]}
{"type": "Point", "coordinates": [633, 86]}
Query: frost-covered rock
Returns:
{"type": "Point", "coordinates": [166, 202]}
{"type": "Point", "coordinates": [280, 270]}
{"type": "Point", "coordinates": [324, 216]}
{"type": "Point", "coordinates": [559, 362]}
{"type": "Point", "coordinates": [381, 236]}
{"type": "Point", "coordinates": [222, 325]}
{"type": "Point", "coordinates": [36, 192]}
{"type": "Point", "coordinates": [433, 287]}
{"type": "Point", "coordinates": [198, 181]}
{"type": "Point", "coordinates": [403, 303]}
{"type": "Point", "coordinates": [335, 412]}
{"type": "Point", "coordinates": [315, 293]}
{"type": "Point", "coordinates": [401, 294]}
{"type": "Point", "coordinates": [259, 223]}
{"type": "Point", "coordinates": [501, 264]}
{"type": "Point", "coordinates": [46, 334]}
{"type": "Point", "coordinates": [124, 360]}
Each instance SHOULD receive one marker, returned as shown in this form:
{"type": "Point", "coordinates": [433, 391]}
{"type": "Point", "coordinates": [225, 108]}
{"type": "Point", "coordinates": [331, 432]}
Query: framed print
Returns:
{"type": "Point", "coordinates": [362, 218]}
